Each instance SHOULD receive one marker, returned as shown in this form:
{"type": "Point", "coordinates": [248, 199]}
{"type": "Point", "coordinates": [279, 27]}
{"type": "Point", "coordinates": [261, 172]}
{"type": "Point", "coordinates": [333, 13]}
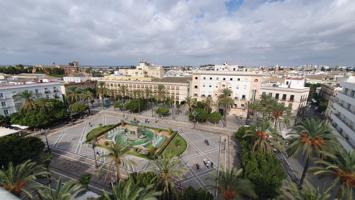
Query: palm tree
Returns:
{"type": "Point", "coordinates": [63, 191]}
{"type": "Point", "coordinates": [168, 170]}
{"type": "Point", "coordinates": [72, 94]}
{"type": "Point", "coordinates": [231, 186]}
{"type": "Point", "coordinates": [340, 167]}
{"type": "Point", "coordinates": [310, 138]}
{"type": "Point", "coordinates": [27, 97]}
{"type": "Point", "coordinates": [190, 102]}
{"type": "Point", "coordinates": [19, 179]}
{"type": "Point", "coordinates": [161, 93]}
{"type": "Point", "coordinates": [264, 136]}
{"type": "Point", "coordinates": [208, 103]}
{"type": "Point", "coordinates": [101, 90]}
{"type": "Point", "coordinates": [279, 111]}
{"type": "Point", "coordinates": [225, 101]}
{"type": "Point", "coordinates": [128, 190]}
{"type": "Point", "coordinates": [116, 153]}
{"type": "Point", "coordinates": [308, 192]}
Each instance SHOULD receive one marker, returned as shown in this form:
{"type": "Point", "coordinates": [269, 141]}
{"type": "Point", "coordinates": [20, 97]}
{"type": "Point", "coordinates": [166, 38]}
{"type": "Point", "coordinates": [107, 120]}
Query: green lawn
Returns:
{"type": "Point", "coordinates": [96, 132]}
{"type": "Point", "coordinates": [176, 147]}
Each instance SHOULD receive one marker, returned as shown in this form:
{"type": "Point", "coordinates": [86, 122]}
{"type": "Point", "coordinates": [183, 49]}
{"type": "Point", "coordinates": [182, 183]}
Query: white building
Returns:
{"type": "Point", "coordinates": [342, 114]}
{"type": "Point", "coordinates": [291, 92]}
{"type": "Point", "coordinates": [245, 87]}
{"type": "Point", "coordinates": [144, 69]}
{"type": "Point", "coordinates": [226, 67]}
{"type": "Point", "coordinates": [9, 104]}
{"type": "Point", "coordinates": [75, 79]}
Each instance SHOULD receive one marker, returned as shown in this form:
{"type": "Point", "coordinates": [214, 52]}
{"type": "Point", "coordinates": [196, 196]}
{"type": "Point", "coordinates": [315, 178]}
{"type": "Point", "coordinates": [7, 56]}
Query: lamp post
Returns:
{"type": "Point", "coordinates": [44, 132]}
{"type": "Point", "coordinates": [194, 114]}
{"type": "Point", "coordinates": [93, 148]}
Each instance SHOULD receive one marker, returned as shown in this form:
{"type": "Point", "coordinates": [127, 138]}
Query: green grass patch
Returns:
{"type": "Point", "coordinates": [97, 132]}
{"type": "Point", "coordinates": [176, 147]}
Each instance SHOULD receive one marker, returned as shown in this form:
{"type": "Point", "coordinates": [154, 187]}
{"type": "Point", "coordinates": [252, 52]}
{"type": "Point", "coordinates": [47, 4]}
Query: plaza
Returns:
{"type": "Point", "coordinates": [72, 154]}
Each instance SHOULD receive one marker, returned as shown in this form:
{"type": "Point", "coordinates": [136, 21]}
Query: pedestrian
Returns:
{"type": "Point", "coordinates": [197, 166]}
{"type": "Point", "coordinates": [211, 164]}
{"type": "Point", "coordinates": [205, 161]}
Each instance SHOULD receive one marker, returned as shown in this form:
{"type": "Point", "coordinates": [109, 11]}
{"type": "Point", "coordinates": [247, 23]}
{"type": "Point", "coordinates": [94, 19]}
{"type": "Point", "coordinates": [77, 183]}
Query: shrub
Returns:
{"type": "Point", "coordinates": [191, 194]}
{"type": "Point", "coordinates": [78, 108]}
{"type": "Point", "coordinates": [163, 111]}
{"type": "Point", "coordinates": [201, 115]}
{"type": "Point", "coordinates": [85, 180]}
{"type": "Point", "coordinates": [136, 105]}
{"type": "Point", "coordinates": [214, 117]}
{"type": "Point", "coordinates": [118, 104]}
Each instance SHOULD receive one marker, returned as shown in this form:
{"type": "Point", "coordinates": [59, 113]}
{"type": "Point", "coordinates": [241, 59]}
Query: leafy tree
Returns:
{"type": "Point", "coordinates": [264, 171]}
{"type": "Point", "coordinates": [214, 117]}
{"type": "Point", "coordinates": [163, 111]}
{"type": "Point", "coordinates": [27, 97]}
{"type": "Point", "coordinates": [308, 192]}
{"type": "Point", "coordinates": [341, 168]}
{"type": "Point", "coordinates": [201, 115]}
{"type": "Point", "coordinates": [78, 108]}
{"type": "Point", "coordinates": [310, 138]}
{"type": "Point", "coordinates": [63, 191]}
{"type": "Point", "coordinates": [118, 104]}
{"type": "Point", "coordinates": [85, 179]}
{"type": "Point", "coordinates": [128, 190]}
{"type": "Point", "coordinates": [19, 179]}
{"type": "Point", "coordinates": [136, 105]}
{"type": "Point", "coordinates": [5, 121]}
{"type": "Point", "coordinates": [161, 93]}
{"type": "Point", "coordinates": [192, 194]}
{"type": "Point", "coordinates": [115, 152]}
{"type": "Point", "coordinates": [232, 186]}
{"type": "Point", "coordinates": [226, 102]}
{"type": "Point", "coordinates": [168, 169]}
{"type": "Point", "coordinates": [18, 149]}
{"type": "Point", "coordinates": [101, 91]}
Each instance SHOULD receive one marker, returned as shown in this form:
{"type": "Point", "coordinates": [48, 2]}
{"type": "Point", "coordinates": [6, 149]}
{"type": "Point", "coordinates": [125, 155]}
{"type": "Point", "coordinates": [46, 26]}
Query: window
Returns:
{"type": "Point", "coordinates": [284, 97]}
{"type": "Point", "coordinates": [210, 86]}
{"type": "Point", "coordinates": [1, 95]}
{"type": "Point", "coordinates": [277, 96]}
{"type": "Point", "coordinates": [36, 91]}
{"type": "Point", "coordinates": [217, 78]}
{"type": "Point", "coordinates": [243, 97]}
{"type": "Point", "coordinates": [3, 103]}
{"type": "Point", "coordinates": [270, 94]}
{"type": "Point", "coordinates": [224, 79]}
{"type": "Point", "coordinates": [203, 85]}
{"type": "Point", "coordinates": [196, 77]}
{"type": "Point", "coordinates": [204, 78]}
{"type": "Point", "coordinates": [6, 112]}
{"type": "Point", "coordinates": [231, 79]}
{"type": "Point", "coordinates": [256, 80]}
{"type": "Point", "coordinates": [196, 86]}
{"type": "Point", "coordinates": [238, 79]}
{"type": "Point", "coordinates": [210, 78]}
{"type": "Point", "coordinates": [292, 98]}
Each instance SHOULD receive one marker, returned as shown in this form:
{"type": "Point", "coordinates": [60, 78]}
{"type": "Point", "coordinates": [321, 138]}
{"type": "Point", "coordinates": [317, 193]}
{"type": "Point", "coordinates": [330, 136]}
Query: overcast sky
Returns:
{"type": "Point", "coordinates": [115, 32]}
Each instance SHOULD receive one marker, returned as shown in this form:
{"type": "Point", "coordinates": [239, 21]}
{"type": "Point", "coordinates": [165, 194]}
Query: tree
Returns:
{"type": "Point", "coordinates": [135, 105]}
{"type": "Point", "coordinates": [115, 152]}
{"type": "Point", "coordinates": [101, 90]}
{"type": "Point", "coordinates": [72, 94]}
{"type": "Point", "coordinates": [163, 111]}
{"type": "Point", "coordinates": [199, 115]}
{"type": "Point", "coordinates": [190, 102]}
{"type": "Point", "coordinates": [78, 108]}
{"type": "Point", "coordinates": [63, 191]}
{"type": "Point", "coordinates": [18, 149]}
{"type": "Point", "coordinates": [128, 190]}
{"type": "Point", "coordinates": [161, 93]}
{"type": "Point", "coordinates": [19, 179]}
{"type": "Point", "coordinates": [168, 169]}
{"type": "Point", "coordinates": [226, 102]}
{"type": "Point", "coordinates": [5, 121]}
{"type": "Point", "coordinates": [192, 194]}
{"type": "Point", "coordinates": [214, 117]}
{"type": "Point", "coordinates": [308, 192]}
{"type": "Point", "coordinates": [263, 136]}
{"type": "Point", "coordinates": [27, 97]}
{"type": "Point", "coordinates": [232, 186]}
{"type": "Point", "coordinates": [340, 167]}
{"type": "Point", "coordinates": [310, 138]}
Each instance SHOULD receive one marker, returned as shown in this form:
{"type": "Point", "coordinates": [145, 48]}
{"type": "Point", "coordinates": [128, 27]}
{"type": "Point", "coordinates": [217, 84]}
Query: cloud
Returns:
{"type": "Point", "coordinates": [178, 31]}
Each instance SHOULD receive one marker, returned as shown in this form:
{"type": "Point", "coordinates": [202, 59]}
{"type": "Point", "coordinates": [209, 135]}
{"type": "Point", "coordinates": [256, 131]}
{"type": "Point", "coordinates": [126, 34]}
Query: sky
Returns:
{"type": "Point", "coordinates": [178, 32]}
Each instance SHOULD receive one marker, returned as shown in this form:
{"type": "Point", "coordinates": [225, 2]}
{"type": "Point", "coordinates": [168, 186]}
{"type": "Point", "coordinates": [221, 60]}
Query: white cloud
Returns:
{"type": "Point", "coordinates": [177, 32]}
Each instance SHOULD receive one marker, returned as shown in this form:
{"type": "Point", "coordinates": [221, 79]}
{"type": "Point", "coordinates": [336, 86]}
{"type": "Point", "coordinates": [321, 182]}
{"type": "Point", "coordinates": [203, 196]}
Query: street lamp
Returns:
{"type": "Point", "coordinates": [93, 148]}
{"type": "Point", "coordinates": [44, 133]}
{"type": "Point", "coordinates": [194, 114]}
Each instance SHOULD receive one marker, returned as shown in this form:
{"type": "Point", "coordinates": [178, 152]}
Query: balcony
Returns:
{"type": "Point", "coordinates": [47, 92]}
{"type": "Point", "coordinates": [345, 98]}
{"type": "Point", "coordinates": [349, 113]}
{"type": "Point", "coordinates": [345, 134]}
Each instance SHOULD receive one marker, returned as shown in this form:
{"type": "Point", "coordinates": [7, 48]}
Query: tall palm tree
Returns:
{"type": "Point", "coordinates": [264, 136]}
{"type": "Point", "coordinates": [226, 102]}
{"type": "Point", "coordinates": [101, 90]}
{"type": "Point", "coordinates": [27, 97]}
{"type": "Point", "coordinates": [19, 179]}
{"type": "Point", "coordinates": [308, 192]}
{"type": "Point", "coordinates": [311, 138]}
{"type": "Point", "coordinates": [341, 168]}
{"type": "Point", "coordinates": [63, 191]}
{"type": "Point", "coordinates": [72, 94]}
{"type": "Point", "coordinates": [128, 190]}
{"type": "Point", "coordinates": [116, 152]}
{"type": "Point", "coordinates": [209, 103]}
{"type": "Point", "coordinates": [168, 170]}
{"type": "Point", "coordinates": [161, 93]}
{"type": "Point", "coordinates": [190, 102]}
{"type": "Point", "coordinates": [232, 186]}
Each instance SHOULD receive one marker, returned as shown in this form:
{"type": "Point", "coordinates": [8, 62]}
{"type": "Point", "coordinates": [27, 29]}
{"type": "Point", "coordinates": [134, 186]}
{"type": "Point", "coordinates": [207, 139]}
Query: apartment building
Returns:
{"type": "Point", "coordinates": [144, 69]}
{"type": "Point", "coordinates": [10, 104]}
{"type": "Point", "coordinates": [245, 87]}
{"type": "Point", "coordinates": [175, 88]}
{"type": "Point", "coordinates": [342, 114]}
{"type": "Point", "coordinates": [291, 92]}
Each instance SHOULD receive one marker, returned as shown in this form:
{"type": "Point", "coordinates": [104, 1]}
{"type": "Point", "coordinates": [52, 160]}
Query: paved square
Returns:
{"type": "Point", "coordinates": [69, 141]}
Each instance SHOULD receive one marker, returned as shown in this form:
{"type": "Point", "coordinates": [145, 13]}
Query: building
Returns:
{"type": "Point", "coordinates": [342, 114]}
{"type": "Point", "coordinates": [72, 67]}
{"type": "Point", "coordinates": [291, 92]}
{"type": "Point", "coordinates": [10, 104]}
{"type": "Point", "coordinates": [144, 69]}
{"type": "Point", "coordinates": [175, 88]}
{"type": "Point", "coordinates": [245, 87]}
{"type": "Point", "coordinates": [81, 85]}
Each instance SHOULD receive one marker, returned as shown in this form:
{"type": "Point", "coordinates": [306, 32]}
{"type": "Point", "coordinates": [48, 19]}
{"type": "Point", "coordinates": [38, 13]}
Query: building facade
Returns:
{"type": "Point", "coordinates": [245, 87]}
{"type": "Point", "coordinates": [291, 93]}
{"type": "Point", "coordinates": [10, 104]}
{"type": "Point", "coordinates": [177, 89]}
{"type": "Point", "coordinates": [144, 69]}
{"type": "Point", "coordinates": [342, 115]}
